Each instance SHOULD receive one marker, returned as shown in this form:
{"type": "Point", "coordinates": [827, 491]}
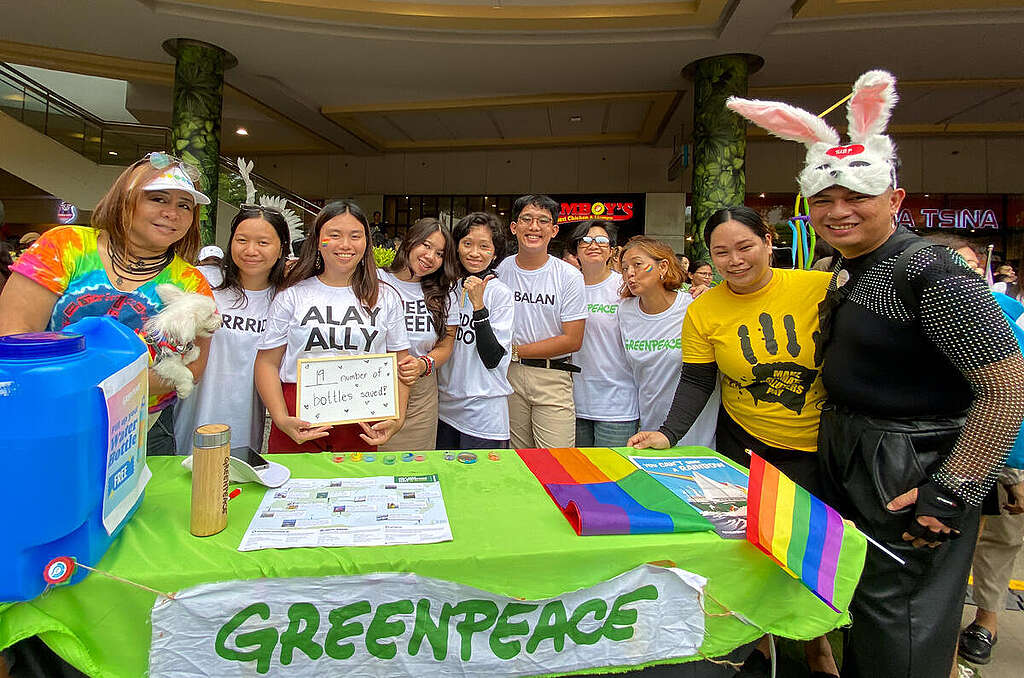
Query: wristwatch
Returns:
{"type": "Point", "coordinates": [515, 353]}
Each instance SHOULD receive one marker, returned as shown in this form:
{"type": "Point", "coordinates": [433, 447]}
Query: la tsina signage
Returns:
{"type": "Point", "coordinates": [931, 217]}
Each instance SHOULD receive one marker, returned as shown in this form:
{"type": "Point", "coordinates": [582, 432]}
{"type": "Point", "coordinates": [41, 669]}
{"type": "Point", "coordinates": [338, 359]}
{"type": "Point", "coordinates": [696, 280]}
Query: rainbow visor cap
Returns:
{"type": "Point", "coordinates": [174, 178]}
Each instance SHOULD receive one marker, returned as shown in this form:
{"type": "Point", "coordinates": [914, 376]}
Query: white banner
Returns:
{"type": "Point", "coordinates": [383, 625]}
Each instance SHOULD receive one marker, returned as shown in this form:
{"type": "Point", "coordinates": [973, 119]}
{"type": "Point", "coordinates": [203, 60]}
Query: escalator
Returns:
{"type": "Point", "coordinates": [70, 153]}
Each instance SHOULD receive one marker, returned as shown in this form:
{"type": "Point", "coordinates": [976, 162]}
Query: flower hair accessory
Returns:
{"type": "Point", "coordinates": [866, 165]}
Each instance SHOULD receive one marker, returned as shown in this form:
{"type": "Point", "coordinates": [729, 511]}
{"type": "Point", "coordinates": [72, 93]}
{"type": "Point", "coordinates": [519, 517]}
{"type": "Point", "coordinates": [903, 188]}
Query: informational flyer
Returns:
{"type": "Point", "coordinates": [126, 393]}
{"type": "Point", "coordinates": [377, 511]}
{"type": "Point", "coordinates": [708, 484]}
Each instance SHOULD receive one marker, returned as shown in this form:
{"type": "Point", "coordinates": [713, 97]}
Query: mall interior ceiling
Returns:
{"type": "Point", "coordinates": [372, 78]}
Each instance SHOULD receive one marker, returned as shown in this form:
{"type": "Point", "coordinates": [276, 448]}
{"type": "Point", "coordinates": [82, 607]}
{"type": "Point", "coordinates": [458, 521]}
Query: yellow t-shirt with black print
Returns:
{"type": "Point", "coordinates": [764, 345]}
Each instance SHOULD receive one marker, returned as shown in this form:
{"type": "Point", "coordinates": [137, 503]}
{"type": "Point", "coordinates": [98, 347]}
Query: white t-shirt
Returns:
{"type": "Point", "coordinates": [653, 345]}
{"type": "Point", "coordinates": [226, 393]}
{"type": "Point", "coordinates": [544, 298]}
{"type": "Point", "coordinates": [604, 389]}
{"type": "Point", "coordinates": [470, 397]}
{"type": "Point", "coordinates": [419, 323]}
{"type": "Point", "coordinates": [316, 320]}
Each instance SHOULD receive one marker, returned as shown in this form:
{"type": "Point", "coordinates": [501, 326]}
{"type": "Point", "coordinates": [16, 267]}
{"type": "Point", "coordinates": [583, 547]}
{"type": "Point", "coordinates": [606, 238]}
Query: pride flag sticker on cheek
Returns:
{"type": "Point", "coordinates": [324, 243]}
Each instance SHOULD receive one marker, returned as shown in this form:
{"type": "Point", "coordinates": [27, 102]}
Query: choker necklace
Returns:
{"type": "Point", "coordinates": [137, 269]}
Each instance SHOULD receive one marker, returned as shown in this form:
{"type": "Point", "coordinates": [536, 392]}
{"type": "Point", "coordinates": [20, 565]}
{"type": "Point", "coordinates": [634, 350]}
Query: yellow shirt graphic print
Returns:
{"type": "Point", "coordinates": [765, 347]}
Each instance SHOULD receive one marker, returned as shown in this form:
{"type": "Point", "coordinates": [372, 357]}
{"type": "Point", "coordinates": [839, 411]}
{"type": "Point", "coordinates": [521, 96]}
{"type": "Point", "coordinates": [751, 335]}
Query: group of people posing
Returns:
{"type": "Point", "coordinates": [890, 386]}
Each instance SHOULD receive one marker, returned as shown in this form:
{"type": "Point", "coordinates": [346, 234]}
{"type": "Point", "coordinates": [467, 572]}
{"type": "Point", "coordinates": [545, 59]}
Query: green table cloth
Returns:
{"type": "Point", "coordinates": [509, 538]}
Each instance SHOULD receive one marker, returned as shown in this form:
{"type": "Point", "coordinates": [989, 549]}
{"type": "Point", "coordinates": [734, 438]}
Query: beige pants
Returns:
{"type": "Point", "coordinates": [998, 546]}
{"type": "Point", "coordinates": [420, 429]}
{"type": "Point", "coordinates": [541, 411]}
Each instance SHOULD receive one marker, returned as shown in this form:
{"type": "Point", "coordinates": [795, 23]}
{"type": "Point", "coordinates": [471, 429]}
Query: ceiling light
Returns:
{"type": "Point", "coordinates": [494, 204]}
{"type": "Point", "coordinates": [242, 132]}
{"type": "Point", "coordinates": [14, 97]}
{"type": "Point", "coordinates": [111, 152]}
{"type": "Point", "coordinates": [760, 195]}
{"type": "Point", "coordinates": [927, 195]}
{"type": "Point", "coordinates": [576, 118]}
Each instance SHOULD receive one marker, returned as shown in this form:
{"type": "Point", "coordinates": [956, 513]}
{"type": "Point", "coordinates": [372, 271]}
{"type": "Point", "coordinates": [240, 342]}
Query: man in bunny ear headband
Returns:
{"type": "Point", "coordinates": [925, 384]}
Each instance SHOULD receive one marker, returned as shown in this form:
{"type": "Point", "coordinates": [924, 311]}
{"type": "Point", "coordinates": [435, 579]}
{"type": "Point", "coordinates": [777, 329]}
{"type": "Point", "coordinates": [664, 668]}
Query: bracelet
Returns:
{"type": "Point", "coordinates": [429, 362]}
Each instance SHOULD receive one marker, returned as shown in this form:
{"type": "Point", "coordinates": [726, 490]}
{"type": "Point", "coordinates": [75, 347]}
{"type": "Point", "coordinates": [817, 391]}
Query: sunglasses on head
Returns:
{"type": "Point", "coordinates": [161, 160]}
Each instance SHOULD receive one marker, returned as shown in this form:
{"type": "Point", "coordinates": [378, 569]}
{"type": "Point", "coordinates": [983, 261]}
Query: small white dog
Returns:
{"type": "Point", "coordinates": [172, 332]}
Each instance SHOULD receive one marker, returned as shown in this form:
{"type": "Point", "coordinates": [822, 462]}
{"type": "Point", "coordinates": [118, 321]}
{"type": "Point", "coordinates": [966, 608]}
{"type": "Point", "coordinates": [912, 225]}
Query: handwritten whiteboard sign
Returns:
{"type": "Point", "coordinates": [347, 389]}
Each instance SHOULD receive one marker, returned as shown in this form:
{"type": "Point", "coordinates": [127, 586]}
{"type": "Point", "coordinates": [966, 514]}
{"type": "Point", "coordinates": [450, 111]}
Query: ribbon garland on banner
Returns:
{"type": "Point", "coordinates": [407, 625]}
{"type": "Point", "coordinates": [600, 492]}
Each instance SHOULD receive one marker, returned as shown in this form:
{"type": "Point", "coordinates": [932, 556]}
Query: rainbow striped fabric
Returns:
{"type": "Point", "coordinates": [794, 528]}
{"type": "Point", "coordinates": [601, 492]}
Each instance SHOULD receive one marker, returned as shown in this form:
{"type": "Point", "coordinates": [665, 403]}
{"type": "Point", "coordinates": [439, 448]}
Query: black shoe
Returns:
{"type": "Point", "coordinates": [976, 644]}
{"type": "Point", "coordinates": [756, 666]}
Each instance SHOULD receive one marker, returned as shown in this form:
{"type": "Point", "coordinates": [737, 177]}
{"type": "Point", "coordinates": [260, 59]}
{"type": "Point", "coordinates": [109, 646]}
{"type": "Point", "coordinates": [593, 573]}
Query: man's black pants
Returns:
{"type": "Point", "coordinates": [905, 618]}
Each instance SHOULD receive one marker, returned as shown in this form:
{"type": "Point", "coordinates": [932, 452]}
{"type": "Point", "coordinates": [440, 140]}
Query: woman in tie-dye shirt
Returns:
{"type": "Point", "coordinates": [144, 231]}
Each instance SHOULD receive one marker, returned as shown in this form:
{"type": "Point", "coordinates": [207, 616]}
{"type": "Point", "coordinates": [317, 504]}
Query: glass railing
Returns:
{"type": "Point", "coordinates": [103, 142]}
{"type": "Point", "coordinates": [116, 143]}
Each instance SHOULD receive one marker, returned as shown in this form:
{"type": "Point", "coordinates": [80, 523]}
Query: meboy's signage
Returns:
{"type": "Point", "coordinates": [623, 207]}
{"type": "Point", "coordinates": [610, 210]}
{"type": "Point", "coordinates": [406, 625]}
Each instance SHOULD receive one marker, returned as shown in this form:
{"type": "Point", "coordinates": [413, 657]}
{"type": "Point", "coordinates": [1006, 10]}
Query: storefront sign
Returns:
{"type": "Point", "coordinates": [618, 208]}
{"type": "Point", "coordinates": [609, 210]}
{"type": "Point", "coordinates": [406, 625]}
{"type": "Point", "coordinates": [66, 212]}
{"type": "Point", "coordinates": [930, 217]}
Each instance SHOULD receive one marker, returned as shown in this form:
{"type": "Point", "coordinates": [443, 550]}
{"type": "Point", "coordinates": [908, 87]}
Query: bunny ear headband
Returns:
{"type": "Point", "coordinates": [867, 165]}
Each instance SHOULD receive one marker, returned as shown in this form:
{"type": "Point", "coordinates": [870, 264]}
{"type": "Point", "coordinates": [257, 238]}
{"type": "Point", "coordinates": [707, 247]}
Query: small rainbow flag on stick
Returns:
{"type": "Point", "coordinates": [794, 528]}
{"type": "Point", "coordinates": [601, 492]}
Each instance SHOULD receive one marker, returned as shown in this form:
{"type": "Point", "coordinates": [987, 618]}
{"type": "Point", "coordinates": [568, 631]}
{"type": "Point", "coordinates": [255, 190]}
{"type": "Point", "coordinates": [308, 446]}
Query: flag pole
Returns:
{"type": "Point", "coordinates": [885, 550]}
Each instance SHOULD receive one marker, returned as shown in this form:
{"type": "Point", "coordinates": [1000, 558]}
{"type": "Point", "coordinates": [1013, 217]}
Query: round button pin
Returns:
{"type": "Point", "coordinates": [494, 456]}
{"type": "Point", "coordinates": [369, 457]}
{"type": "Point", "coordinates": [389, 459]}
{"type": "Point", "coordinates": [407, 456]}
{"type": "Point", "coordinates": [467, 458]}
{"type": "Point", "coordinates": [357, 456]}
{"type": "Point", "coordinates": [420, 457]}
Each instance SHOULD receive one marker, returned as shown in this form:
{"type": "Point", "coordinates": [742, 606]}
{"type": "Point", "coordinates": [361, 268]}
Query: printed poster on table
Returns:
{"type": "Point", "coordinates": [376, 511]}
{"type": "Point", "coordinates": [708, 484]}
{"type": "Point", "coordinates": [388, 625]}
{"type": "Point", "coordinates": [126, 393]}
{"type": "Point", "coordinates": [347, 389]}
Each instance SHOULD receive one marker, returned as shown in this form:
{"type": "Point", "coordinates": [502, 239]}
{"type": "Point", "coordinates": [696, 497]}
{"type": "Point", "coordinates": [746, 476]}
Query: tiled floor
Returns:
{"type": "Point", "coordinates": [1008, 654]}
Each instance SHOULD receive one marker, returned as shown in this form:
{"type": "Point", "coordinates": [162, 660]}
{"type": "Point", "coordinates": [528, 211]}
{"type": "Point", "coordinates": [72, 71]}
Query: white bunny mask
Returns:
{"type": "Point", "coordinates": [866, 165]}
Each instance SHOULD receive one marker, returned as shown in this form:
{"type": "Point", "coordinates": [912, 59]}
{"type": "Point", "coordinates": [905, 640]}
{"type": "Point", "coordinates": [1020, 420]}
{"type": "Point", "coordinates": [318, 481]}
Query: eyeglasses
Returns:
{"type": "Point", "coordinates": [600, 240]}
{"type": "Point", "coordinates": [704, 274]}
{"type": "Point", "coordinates": [527, 220]}
{"type": "Point", "coordinates": [161, 160]}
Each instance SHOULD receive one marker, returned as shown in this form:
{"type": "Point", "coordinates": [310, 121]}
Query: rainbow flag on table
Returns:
{"type": "Point", "coordinates": [601, 492]}
{"type": "Point", "coordinates": [794, 528]}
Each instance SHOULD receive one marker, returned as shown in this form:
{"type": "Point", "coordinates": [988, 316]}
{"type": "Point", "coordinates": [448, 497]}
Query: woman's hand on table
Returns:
{"type": "Point", "coordinates": [381, 432]}
{"type": "Point", "coordinates": [301, 431]}
{"type": "Point", "coordinates": [410, 368]}
{"type": "Point", "coordinates": [654, 440]}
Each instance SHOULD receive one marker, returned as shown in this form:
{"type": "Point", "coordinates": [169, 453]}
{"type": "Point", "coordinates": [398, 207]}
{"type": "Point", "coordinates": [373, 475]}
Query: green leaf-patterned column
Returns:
{"type": "Point", "coordinates": [196, 113]}
{"type": "Point", "coordinates": [719, 141]}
